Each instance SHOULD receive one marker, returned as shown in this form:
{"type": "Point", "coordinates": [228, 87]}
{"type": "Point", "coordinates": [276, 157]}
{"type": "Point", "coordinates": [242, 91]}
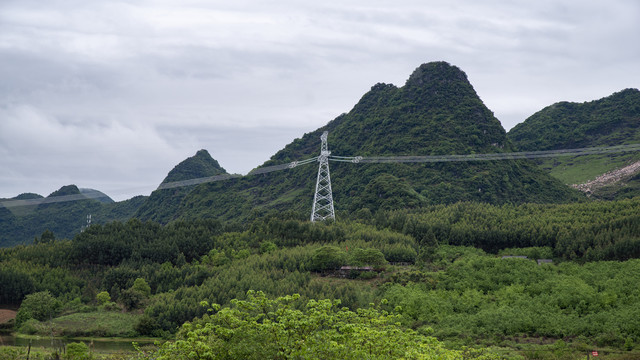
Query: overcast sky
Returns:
{"type": "Point", "coordinates": [112, 94]}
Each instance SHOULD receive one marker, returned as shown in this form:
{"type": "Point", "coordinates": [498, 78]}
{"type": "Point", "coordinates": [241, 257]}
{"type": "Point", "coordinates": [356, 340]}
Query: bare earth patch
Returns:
{"type": "Point", "coordinates": [6, 315]}
{"type": "Point", "coordinates": [609, 178]}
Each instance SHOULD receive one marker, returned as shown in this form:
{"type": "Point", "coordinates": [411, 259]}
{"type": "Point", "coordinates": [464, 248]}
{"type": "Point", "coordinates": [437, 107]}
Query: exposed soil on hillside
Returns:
{"type": "Point", "coordinates": [609, 178]}
{"type": "Point", "coordinates": [6, 315]}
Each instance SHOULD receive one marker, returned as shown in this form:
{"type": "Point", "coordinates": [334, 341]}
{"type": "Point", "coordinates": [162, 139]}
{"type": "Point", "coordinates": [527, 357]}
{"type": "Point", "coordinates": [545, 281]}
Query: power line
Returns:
{"type": "Point", "coordinates": [351, 159]}
{"type": "Point", "coordinates": [167, 185]}
{"type": "Point", "coordinates": [487, 157]}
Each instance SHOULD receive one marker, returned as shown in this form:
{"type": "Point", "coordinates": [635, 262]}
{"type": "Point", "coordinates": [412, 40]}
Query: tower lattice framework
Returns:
{"type": "Point", "coordinates": [323, 199]}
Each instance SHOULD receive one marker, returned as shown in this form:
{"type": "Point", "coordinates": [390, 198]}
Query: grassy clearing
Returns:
{"type": "Point", "coordinates": [93, 324]}
{"type": "Point", "coordinates": [580, 169]}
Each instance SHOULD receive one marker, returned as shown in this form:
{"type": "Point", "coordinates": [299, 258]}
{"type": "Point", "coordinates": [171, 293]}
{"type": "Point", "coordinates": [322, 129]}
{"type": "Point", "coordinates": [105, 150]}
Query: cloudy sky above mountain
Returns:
{"type": "Point", "coordinates": [112, 94]}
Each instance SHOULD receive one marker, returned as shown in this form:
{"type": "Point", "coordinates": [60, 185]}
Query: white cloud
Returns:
{"type": "Point", "coordinates": [52, 152]}
{"type": "Point", "coordinates": [119, 82]}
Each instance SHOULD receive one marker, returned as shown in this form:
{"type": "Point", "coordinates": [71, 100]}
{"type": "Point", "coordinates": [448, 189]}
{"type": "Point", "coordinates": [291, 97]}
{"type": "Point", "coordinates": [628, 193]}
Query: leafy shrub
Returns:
{"type": "Point", "coordinates": [77, 351]}
{"type": "Point", "coordinates": [260, 328]}
{"type": "Point", "coordinates": [327, 258]}
{"type": "Point", "coordinates": [103, 297]}
{"type": "Point", "coordinates": [40, 306]}
{"type": "Point", "coordinates": [30, 327]}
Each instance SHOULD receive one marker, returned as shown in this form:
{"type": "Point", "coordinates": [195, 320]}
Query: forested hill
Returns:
{"type": "Point", "coordinates": [613, 120]}
{"type": "Point", "coordinates": [199, 165]}
{"type": "Point", "coordinates": [610, 121]}
{"type": "Point", "coordinates": [164, 204]}
{"type": "Point", "coordinates": [436, 112]}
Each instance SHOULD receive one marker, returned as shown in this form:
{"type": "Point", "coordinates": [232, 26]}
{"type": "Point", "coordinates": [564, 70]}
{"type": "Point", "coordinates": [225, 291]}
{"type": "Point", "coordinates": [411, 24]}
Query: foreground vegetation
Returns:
{"type": "Point", "coordinates": [431, 273]}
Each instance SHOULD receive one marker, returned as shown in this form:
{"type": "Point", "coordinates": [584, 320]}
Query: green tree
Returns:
{"type": "Point", "coordinates": [103, 297]}
{"type": "Point", "coordinates": [136, 295]}
{"type": "Point", "coordinates": [267, 246]}
{"type": "Point", "coordinates": [260, 328]}
{"type": "Point", "coordinates": [40, 306]}
{"type": "Point", "coordinates": [140, 285]}
{"type": "Point", "coordinates": [46, 237]}
{"type": "Point", "coordinates": [362, 257]}
{"type": "Point", "coordinates": [327, 258]}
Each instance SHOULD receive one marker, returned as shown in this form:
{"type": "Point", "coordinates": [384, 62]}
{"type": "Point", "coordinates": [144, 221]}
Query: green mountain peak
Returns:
{"type": "Point", "coordinates": [612, 120]}
{"type": "Point", "coordinates": [163, 204]}
{"type": "Point", "coordinates": [65, 190]}
{"type": "Point", "coordinates": [436, 112]}
{"type": "Point", "coordinates": [197, 166]}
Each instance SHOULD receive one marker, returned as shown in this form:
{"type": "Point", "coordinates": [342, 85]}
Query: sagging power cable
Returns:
{"type": "Point", "coordinates": [351, 159]}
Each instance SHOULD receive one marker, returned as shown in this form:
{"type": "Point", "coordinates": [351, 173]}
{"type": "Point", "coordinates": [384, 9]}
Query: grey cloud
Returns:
{"type": "Point", "coordinates": [107, 86]}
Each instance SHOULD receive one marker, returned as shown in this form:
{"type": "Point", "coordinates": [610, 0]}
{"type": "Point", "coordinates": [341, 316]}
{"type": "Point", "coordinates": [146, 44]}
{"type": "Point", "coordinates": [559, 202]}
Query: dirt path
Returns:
{"type": "Point", "coordinates": [609, 178]}
{"type": "Point", "coordinates": [6, 315]}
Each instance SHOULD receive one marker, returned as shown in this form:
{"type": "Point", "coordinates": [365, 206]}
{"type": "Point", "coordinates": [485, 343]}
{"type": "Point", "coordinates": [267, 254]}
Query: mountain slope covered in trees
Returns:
{"type": "Point", "coordinates": [163, 204]}
{"type": "Point", "coordinates": [436, 112]}
{"type": "Point", "coordinates": [610, 121]}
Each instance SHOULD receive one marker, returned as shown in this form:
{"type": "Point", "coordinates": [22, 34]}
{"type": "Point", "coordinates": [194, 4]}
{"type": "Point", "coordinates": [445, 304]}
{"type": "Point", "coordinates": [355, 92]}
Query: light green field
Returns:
{"type": "Point", "coordinates": [580, 169]}
{"type": "Point", "coordinates": [93, 324]}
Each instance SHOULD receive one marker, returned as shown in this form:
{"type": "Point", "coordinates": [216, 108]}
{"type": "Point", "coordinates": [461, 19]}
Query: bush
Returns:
{"type": "Point", "coordinates": [29, 327]}
{"type": "Point", "coordinates": [77, 351]}
{"type": "Point", "coordinates": [40, 306]}
{"type": "Point", "coordinates": [366, 275]}
{"type": "Point", "coordinates": [362, 257]}
{"type": "Point", "coordinates": [327, 258]}
{"type": "Point", "coordinates": [10, 353]}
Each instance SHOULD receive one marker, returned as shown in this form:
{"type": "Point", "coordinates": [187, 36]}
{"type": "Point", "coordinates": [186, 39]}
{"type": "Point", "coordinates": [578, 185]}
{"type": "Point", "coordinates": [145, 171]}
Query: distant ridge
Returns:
{"type": "Point", "coordinates": [27, 196]}
{"type": "Point", "coordinates": [31, 214]}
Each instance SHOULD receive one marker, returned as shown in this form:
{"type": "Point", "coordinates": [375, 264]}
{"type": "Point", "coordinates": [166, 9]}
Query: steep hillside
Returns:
{"type": "Point", "coordinates": [436, 112]}
{"type": "Point", "coordinates": [163, 204]}
{"type": "Point", "coordinates": [199, 165]}
{"type": "Point", "coordinates": [613, 120]}
{"type": "Point", "coordinates": [610, 121]}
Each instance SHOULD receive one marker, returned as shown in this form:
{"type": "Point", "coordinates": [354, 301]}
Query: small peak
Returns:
{"type": "Point", "coordinates": [66, 190]}
{"type": "Point", "coordinates": [97, 195]}
{"type": "Point", "coordinates": [197, 166]}
{"type": "Point", "coordinates": [27, 196]}
{"type": "Point", "coordinates": [203, 153]}
{"type": "Point", "coordinates": [436, 72]}
{"type": "Point", "coordinates": [629, 92]}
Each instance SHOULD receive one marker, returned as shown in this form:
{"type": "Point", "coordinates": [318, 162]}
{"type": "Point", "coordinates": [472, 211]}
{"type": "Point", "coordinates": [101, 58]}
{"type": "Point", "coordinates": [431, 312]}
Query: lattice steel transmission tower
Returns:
{"type": "Point", "coordinates": [323, 199]}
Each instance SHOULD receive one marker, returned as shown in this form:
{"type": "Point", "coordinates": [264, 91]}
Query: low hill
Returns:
{"type": "Point", "coordinates": [610, 121]}
{"type": "Point", "coordinates": [436, 112]}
